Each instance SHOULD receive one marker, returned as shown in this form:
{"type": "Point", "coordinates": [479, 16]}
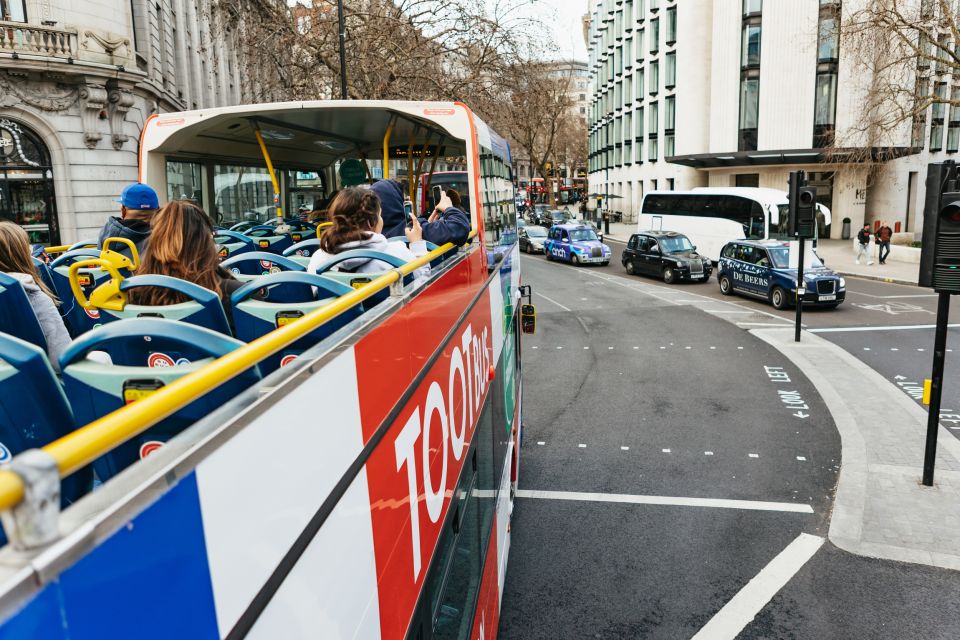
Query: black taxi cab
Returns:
{"type": "Point", "coordinates": [665, 254]}
{"type": "Point", "coordinates": [760, 268]}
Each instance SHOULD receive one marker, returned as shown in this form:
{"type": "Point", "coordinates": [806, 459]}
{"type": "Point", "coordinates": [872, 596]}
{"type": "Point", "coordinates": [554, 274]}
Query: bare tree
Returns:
{"type": "Point", "coordinates": [904, 55]}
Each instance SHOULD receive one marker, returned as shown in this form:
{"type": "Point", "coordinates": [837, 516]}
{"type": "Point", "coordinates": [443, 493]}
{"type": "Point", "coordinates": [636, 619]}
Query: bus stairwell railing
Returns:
{"type": "Point", "coordinates": [29, 485]}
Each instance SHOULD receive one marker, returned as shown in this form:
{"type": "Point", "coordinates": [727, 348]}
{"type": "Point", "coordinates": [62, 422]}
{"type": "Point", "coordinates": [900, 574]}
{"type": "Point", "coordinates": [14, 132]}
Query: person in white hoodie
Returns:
{"type": "Point", "coordinates": [357, 224]}
{"type": "Point", "coordinates": [17, 261]}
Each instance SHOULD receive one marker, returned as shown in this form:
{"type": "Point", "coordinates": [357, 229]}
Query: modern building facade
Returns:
{"type": "Point", "coordinates": [689, 93]}
{"type": "Point", "coordinates": [77, 82]}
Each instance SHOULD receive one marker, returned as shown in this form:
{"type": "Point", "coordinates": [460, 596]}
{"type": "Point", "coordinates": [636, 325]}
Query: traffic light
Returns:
{"type": "Point", "coordinates": [803, 207]}
{"type": "Point", "coordinates": [940, 250]}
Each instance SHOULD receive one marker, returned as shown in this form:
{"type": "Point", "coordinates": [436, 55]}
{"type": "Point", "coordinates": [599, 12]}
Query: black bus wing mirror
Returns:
{"type": "Point", "coordinates": [528, 318]}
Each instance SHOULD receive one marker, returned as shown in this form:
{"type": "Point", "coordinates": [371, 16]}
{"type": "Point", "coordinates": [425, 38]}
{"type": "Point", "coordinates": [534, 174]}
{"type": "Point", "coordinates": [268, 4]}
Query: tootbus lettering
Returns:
{"type": "Point", "coordinates": [469, 362]}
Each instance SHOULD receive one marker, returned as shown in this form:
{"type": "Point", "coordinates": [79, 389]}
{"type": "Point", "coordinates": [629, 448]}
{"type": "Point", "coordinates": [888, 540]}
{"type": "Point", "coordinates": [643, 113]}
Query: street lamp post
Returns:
{"type": "Point", "coordinates": [343, 50]}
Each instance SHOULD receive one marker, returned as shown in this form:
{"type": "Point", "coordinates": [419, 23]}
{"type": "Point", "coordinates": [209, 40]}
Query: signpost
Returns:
{"type": "Point", "coordinates": [803, 226]}
{"type": "Point", "coordinates": [940, 270]}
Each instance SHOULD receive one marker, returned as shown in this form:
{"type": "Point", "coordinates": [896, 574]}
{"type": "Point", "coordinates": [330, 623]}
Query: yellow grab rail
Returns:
{"type": "Point", "coordinates": [81, 447]}
{"type": "Point", "coordinates": [386, 150]}
{"type": "Point", "coordinates": [273, 174]}
{"type": "Point", "coordinates": [105, 296]}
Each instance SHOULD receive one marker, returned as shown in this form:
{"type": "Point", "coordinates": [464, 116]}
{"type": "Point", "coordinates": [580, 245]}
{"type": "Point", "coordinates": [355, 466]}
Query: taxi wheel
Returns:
{"type": "Point", "coordinates": [575, 260]}
{"type": "Point", "coordinates": [778, 298]}
{"type": "Point", "coordinates": [726, 288]}
{"type": "Point", "coordinates": [669, 275]}
{"type": "Point", "coordinates": [631, 268]}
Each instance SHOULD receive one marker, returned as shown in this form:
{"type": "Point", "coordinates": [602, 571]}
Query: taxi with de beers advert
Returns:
{"type": "Point", "coordinates": [576, 243]}
{"type": "Point", "coordinates": [761, 269]}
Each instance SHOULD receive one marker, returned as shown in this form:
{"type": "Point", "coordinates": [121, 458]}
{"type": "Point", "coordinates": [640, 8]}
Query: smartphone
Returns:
{"type": "Point", "coordinates": [437, 194]}
{"type": "Point", "coordinates": [408, 213]}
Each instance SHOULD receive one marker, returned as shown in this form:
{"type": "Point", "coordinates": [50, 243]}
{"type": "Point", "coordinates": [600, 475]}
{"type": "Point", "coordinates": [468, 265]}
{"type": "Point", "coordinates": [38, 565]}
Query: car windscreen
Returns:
{"type": "Point", "coordinates": [781, 258]}
{"type": "Point", "coordinates": [536, 232]}
{"type": "Point", "coordinates": [582, 234]}
{"type": "Point", "coordinates": [676, 244]}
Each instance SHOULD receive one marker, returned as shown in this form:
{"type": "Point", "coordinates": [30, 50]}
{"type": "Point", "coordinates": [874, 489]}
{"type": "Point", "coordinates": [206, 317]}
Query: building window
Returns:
{"type": "Point", "coordinates": [670, 79]}
{"type": "Point", "coordinates": [936, 136]}
{"type": "Point", "coordinates": [653, 125]}
{"type": "Point", "coordinates": [671, 25]}
{"type": "Point", "coordinates": [654, 5]}
{"type": "Point", "coordinates": [29, 203]}
{"type": "Point", "coordinates": [824, 110]}
{"type": "Point", "coordinates": [750, 51]}
{"type": "Point", "coordinates": [669, 113]}
{"type": "Point", "coordinates": [747, 179]}
{"type": "Point", "coordinates": [654, 35]}
{"type": "Point", "coordinates": [828, 39]}
{"type": "Point", "coordinates": [628, 53]}
{"type": "Point", "coordinates": [939, 109]}
{"type": "Point", "coordinates": [652, 150]}
{"type": "Point", "coordinates": [654, 78]}
{"type": "Point", "coordinates": [639, 124]}
{"type": "Point", "coordinates": [13, 10]}
{"type": "Point", "coordinates": [670, 185]}
{"type": "Point", "coordinates": [669, 146]}
{"type": "Point", "coordinates": [640, 45]}
{"type": "Point", "coordinates": [628, 14]}
{"type": "Point", "coordinates": [953, 131]}
{"type": "Point", "coordinates": [640, 84]}
{"type": "Point", "coordinates": [749, 76]}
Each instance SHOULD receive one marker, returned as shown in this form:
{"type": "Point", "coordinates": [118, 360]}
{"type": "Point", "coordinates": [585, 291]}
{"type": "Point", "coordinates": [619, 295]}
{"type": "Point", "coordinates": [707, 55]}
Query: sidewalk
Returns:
{"type": "Point", "coordinates": [881, 510]}
{"type": "Point", "coordinates": [836, 254]}
{"type": "Point", "coordinates": [839, 256]}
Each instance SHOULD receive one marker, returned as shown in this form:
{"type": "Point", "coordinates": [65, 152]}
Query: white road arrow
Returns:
{"type": "Point", "coordinates": [801, 414]}
{"type": "Point", "coordinates": [899, 377]}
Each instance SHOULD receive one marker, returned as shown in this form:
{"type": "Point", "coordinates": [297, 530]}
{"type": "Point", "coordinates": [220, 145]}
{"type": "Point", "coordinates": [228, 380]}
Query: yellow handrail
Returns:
{"type": "Point", "coordinates": [273, 174]}
{"type": "Point", "coordinates": [81, 447]}
{"type": "Point", "coordinates": [386, 150]}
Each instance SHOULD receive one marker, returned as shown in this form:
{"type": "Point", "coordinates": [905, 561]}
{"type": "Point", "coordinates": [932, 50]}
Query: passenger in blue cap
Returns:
{"type": "Point", "coordinates": [138, 203]}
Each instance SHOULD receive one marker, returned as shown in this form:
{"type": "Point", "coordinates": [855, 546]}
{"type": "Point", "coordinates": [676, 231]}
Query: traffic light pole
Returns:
{"type": "Point", "coordinates": [936, 388]}
{"type": "Point", "coordinates": [800, 287]}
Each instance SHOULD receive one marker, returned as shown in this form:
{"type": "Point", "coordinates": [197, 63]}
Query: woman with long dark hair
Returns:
{"type": "Point", "coordinates": [181, 246]}
{"type": "Point", "coordinates": [357, 224]}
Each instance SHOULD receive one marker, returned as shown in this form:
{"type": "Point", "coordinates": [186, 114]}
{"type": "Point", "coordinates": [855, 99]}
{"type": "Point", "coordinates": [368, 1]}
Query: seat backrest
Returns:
{"type": "Point", "coordinates": [254, 318]}
{"type": "Point", "coordinates": [303, 249]}
{"type": "Point", "coordinates": [250, 266]}
{"type": "Point", "coordinates": [145, 354]}
{"type": "Point", "coordinates": [33, 409]}
{"type": "Point", "coordinates": [16, 314]}
{"type": "Point", "coordinates": [45, 275]}
{"type": "Point", "coordinates": [231, 243]}
{"type": "Point", "coordinates": [77, 319]}
{"type": "Point", "coordinates": [266, 238]}
{"type": "Point", "coordinates": [357, 280]}
{"type": "Point", "coordinates": [203, 308]}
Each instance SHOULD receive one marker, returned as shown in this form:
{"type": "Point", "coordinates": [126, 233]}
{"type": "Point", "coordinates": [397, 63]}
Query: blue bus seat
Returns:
{"type": "Point", "coordinates": [303, 251]}
{"type": "Point", "coordinates": [16, 314]}
{"type": "Point", "coordinates": [45, 275]}
{"type": "Point", "coordinates": [266, 238]}
{"type": "Point", "coordinates": [85, 244]}
{"type": "Point", "coordinates": [250, 266]}
{"type": "Point", "coordinates": [303, 235]}
{"type": "Point", "coordinates": [203, 308]}
{"type": "Point", "coordinates": [77, 319]}
{"type": "Point", "coordinates": [34, 410]}
{"type": "Point", "coordinates": [231, 243]}
{"type": "Point", "coordinates": [242, 226]}
{"type": "Point", "coordinates": [357, 280]}
{"type": "Point", "coordinates": [145, 354]}
{"type": "Point", "coordinates": [255, 318]}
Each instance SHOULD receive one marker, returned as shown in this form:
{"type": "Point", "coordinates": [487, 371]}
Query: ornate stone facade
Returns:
{"type": "Point", "coordinates": [82, 77]}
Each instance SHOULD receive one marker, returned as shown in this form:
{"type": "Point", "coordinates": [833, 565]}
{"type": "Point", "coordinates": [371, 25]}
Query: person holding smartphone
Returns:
{"type": "Point", "coordinates": [448, 222]}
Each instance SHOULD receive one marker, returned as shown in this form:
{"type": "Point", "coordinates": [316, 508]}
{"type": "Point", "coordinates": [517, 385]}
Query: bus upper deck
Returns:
{"type": "Point", "coordinates": [385, 451]}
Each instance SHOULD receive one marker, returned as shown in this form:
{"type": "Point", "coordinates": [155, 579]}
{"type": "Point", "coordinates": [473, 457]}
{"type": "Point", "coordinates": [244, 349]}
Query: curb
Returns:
{"type": "Point", "coordinates": [846, 529]}
{"type": "Point", "coordinates": [862, 276]}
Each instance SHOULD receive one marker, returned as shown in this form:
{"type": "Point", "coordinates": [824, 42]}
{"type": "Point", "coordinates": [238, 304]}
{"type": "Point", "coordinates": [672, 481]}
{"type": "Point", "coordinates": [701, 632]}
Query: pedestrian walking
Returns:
{"type": "Point", "coordinates": [863, 244]}
{"type": "Point", "coordinates": [884, 233]}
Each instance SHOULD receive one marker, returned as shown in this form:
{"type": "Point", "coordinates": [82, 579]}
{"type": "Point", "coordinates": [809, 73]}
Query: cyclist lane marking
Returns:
{"type": "Point", "coordinates": [672, 501]}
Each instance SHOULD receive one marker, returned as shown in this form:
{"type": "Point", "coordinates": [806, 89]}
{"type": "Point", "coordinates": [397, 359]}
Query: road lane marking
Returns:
{"type": "Point", "coordinates": [898, 327]}
{"type": "Point", "coordinates": [710, 453]}
{"type": "Point", "coordinates": [541, 443]}
{"type": "Point", "coordinates": [582, 446]}
{"type": "Point", "coordinates": [757, 455]}
{"type": "Point", "coordinates": [673, 501]}
{"type": "Point", "coordinates": [749, 601]}
{"type": "Point", "coordinates": [554, 302]}
{"type": "Point", "coordinates": [666, 450]}
{"type": "Point", "coordinates": [624, 448]}
{"type": "Point", "coordinates": [801, 458]}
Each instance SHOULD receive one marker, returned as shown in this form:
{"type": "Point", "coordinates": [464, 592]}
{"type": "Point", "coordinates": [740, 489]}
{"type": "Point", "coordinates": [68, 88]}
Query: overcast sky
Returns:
{"type": "Point", "coordinates": [565, 18]}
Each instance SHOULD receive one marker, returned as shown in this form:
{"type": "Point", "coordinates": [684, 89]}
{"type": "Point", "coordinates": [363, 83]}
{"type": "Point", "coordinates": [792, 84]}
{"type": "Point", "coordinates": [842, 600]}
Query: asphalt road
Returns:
{"type": "Point", "coordinates": [627, 393]}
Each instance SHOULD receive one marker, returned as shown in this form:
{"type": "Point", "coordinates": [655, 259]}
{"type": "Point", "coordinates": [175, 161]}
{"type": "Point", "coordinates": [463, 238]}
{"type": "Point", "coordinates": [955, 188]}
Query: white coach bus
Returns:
{"type": "Point", "coordinates": [712, 217]}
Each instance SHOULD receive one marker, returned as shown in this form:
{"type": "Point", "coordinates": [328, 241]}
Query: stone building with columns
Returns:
{"type": "Point", "coordinates": [77, 82]}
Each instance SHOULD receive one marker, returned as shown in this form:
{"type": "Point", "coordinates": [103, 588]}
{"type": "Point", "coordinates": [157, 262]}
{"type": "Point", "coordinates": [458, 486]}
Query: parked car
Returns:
{"type": "Point", "coordinates": [575, 243]}
{"type": "Point", "coordinates": [532, 238]}
{"type": "Point", "coordinates": [760, 268]}
{"type": "Point", "coordinates": [665, 254]}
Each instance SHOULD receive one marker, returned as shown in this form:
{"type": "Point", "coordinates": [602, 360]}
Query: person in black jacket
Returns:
{"type": "Point", "coordinates": [138, 204]}
{"type": "Point", "coordinates": [863, 244]}
{"type": "Point", "coordinates": [448, 222]}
